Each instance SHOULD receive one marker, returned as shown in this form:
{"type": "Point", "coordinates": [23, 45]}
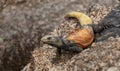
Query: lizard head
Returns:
{"type": "Point", "coordinates": [52, 40]}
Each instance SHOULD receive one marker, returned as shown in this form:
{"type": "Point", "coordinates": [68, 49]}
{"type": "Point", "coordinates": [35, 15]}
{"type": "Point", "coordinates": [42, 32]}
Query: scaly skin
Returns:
{"type": "Point", "coordinates": [77, 40]}
{"type": "Point", "coordinates": [83, 36]}
{"type": "Point", "coordinates": [81, 17]}
{"type": "Point", "coordinates": [61, 43]}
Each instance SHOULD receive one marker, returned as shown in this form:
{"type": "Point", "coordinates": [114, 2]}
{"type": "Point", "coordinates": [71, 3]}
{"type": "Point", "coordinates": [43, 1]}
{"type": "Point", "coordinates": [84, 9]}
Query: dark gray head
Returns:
{"type": "Point", "coordinates": [52, 40]}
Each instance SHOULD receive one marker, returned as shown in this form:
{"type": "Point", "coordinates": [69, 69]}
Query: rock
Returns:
{"type": "Point", "coordinates": [113, 69]}
{"type": "Point", "coordinates": [24, 24]}
{"type": "Point", "coordinates": [99, 57]}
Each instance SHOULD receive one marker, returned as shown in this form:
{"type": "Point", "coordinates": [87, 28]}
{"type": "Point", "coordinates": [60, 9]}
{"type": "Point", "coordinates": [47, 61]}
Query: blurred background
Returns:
{"type": "Point", "coordinates": [24, 22]}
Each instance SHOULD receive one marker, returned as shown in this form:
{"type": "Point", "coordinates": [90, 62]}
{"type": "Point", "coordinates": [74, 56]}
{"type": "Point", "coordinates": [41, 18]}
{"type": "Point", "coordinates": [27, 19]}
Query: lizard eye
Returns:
{"type": "Point", "coordinates": [49, 38]}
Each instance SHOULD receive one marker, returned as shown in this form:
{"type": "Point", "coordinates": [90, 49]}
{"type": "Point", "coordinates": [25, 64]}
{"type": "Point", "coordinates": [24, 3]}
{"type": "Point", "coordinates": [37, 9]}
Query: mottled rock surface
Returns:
{"type": "Point", "coordinates": [23, 22]}
{"type": "Point", "coordinates": [101, 56]}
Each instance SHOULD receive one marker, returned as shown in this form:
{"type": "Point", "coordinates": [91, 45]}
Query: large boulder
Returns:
{"type": "Point", "coordinates": [22, 23]}
{"type": "Point", "coordinates": [101, 56]}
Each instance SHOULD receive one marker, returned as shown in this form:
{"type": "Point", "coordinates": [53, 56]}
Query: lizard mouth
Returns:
{"type": "Point", "coordinates": [44, 40]}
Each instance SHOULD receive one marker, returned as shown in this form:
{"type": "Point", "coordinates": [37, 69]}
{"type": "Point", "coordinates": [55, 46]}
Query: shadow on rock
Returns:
{"type": "Point", "coordinates": [17, 43]}
{"type": "Point", "coordinates": [110, 25]}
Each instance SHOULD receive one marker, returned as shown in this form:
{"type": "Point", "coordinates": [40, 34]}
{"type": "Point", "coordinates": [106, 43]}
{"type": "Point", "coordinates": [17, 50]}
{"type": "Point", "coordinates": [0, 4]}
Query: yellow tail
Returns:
{"type": "Point", "coordinates": [81, 17]}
